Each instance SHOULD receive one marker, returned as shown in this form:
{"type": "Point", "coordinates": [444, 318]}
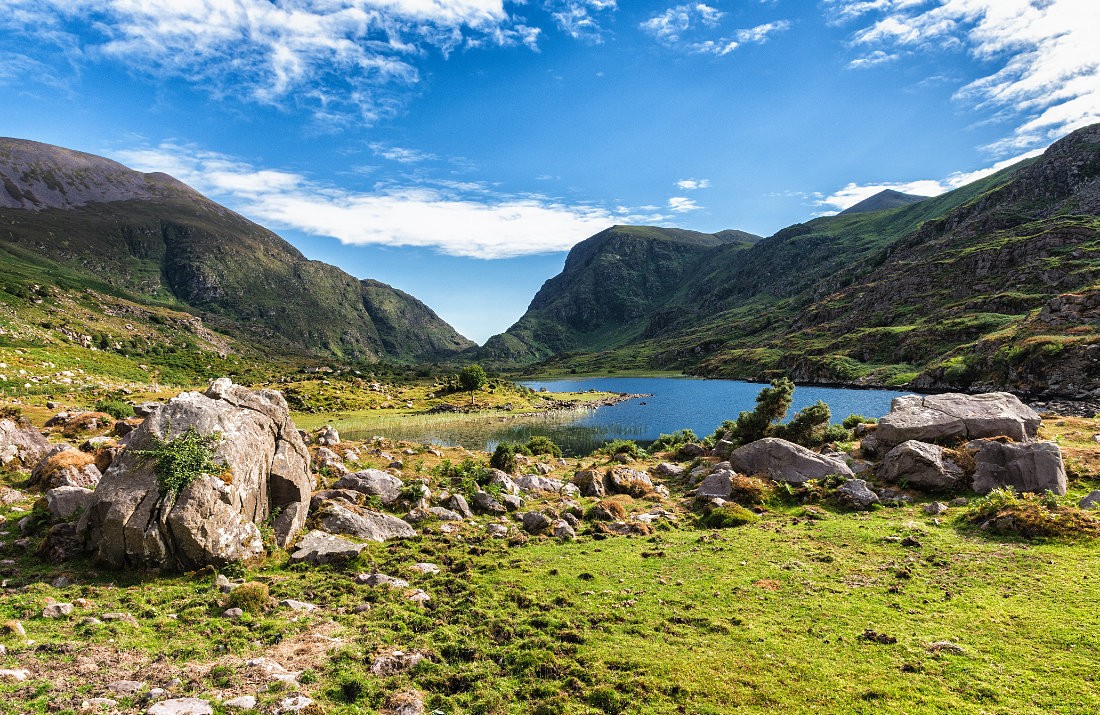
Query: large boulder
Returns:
{"type": "Point", "coordinates": [67, 502]}
{"type": "Point", "coordinates": [373, 482]}
{"type": "Point", "coordinates": [339, 517]}
{"type": "Point", "coordinates": [953, 416]}
{"type": "Point", "coordinates": [921, 466]}
{"type": "Point", "coordinates": [1026, 467]}
{"type": "Point", "coordinates": [623, 480]}
{"type": "Point", "coordinates": [66, 467]}
{"type": "Point", "coordinates": [21, 446]}
{"type": "Point", "coordinates": [785, 461]}
{"type": "Point", "coordinates": [134, 521]}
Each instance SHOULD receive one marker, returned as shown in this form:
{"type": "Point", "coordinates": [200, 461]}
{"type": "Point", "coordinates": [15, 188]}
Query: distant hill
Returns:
{"type": "Point", "coordinates": [994, 284]}
{"type": "Point", "coordinates": [885, 199]}
{"type": "Point", "coordinates": [79, 222]}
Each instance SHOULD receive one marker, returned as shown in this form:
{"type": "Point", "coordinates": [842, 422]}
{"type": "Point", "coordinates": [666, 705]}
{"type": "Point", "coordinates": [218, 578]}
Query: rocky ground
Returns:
{"type": "Point", "coordinates": [418, 579]}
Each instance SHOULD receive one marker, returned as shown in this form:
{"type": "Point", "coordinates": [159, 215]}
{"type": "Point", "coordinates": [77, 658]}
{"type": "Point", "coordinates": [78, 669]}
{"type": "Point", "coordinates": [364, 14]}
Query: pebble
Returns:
{"type": "Point", "coordinates": [125, 687]}
{"type": "Point", "coordinates": [294, 704]}
{"type": "Point", "coordinates": [244, 702]}
{"type": "Point", "coordinates": [14, 674]}
{"type": "Point", "coordinates": [298, 605]}
{"type": "Point", "coordinates": [233, 613]}
{"type": "Point", "coordinates": [425, 568]}
{"type": "Point", "coordinates": [98, 703]}
{"type": "Point", "coordinates": [419, 596]}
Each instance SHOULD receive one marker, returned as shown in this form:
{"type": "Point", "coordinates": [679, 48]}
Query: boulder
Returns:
{"type": "Point", "coordinates": [373, 482]}
{"type": "Point", "coordinates": [562, 529]}
{"type": "Point", "coordinates": [1026, 467]}
{"type": "Point", "coordinates": [785, 461]}
{"type": "Point", "coordinates": [590, 482]}
{"type": "Point", "coordinates": [319, 548]}
{"type": "Point", "coordinates": [501, 479]}
{"type": "Point", "coordinates": [856, 494]}
{"type": "Point", "coordinates": [692, 450]}
{"type": "Point", "coordinates": [328, 436]}
{"type": "Point", "coordinates": [457, 503]}
{"type": "Point", "coordinates": [955, 416]}
{"type": "Point", "coordinates": [21, 445]}
{"type": "Point", "coordinates": [66, 467]}
{"type": "Point", "coordinates": [535, 522]}
{"type": "Point", "coordinates": [668, 469]}
{"type": "Point", "coordinates": [338, 517]}
{"type": "Point", "coordinates": [723, 448]}
{"type": "Point", "coordinates": [1090, 501]}
{"type": "Point", "coordinates": [66, 502]}
{"type": "Point", "coordinates": [623, 480]}
{"type": "Point", "coordinates": [484, 503]}
{"type": "Point", "coordinates": [537, 483]}
{"type": "Point", "coordinates": [214, 520]}
{"type": "Point", "coordinates": [921, 466]}
{"type": "Point", "coordinates": [717, 485]}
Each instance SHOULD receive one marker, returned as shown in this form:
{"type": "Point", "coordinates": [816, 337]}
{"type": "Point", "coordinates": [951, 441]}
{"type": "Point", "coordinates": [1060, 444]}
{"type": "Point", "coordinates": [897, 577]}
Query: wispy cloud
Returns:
{"type": "Point", "coordinates": [400, 154]}
{"type": "Point", "coordinates": [1047, 76]}
{"type": "Point", "coordinates": [877, 57]}
{"type": "Point", "coordinates": [682, 205]}
{"type": "Point", "coordinates": [335, 58]}
{"type": "Point", "coordinates": [853, 193]}
{"type": "Point", "coordinates": [693, 184]}
{"type": "Point", "coordinates": [684, 27]}
{"type": "Point", "coordinates": [454, 218]}
{"type": "Point", "coordinates": [581, 19]}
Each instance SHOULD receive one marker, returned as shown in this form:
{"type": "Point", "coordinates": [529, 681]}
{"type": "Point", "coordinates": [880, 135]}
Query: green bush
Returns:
{"type": "Point", "coordinates": [728, 516]}
{"type": "Point", "coordinates": [853, 419]}
{"type": "Point", "coordinates": [251, 597]}
{"type": "Point", "coordinates": [673, 442]}
{"type": "Point", "coordinates": [772, 404]}
{"type": "Point", "coordinates": [504, 457]}
{"type": "Point", "coordinates": [543, 445]}
{"type": "Point", "coordinates": [181, 460]}
{"type": "Point", "coordinates": [115, 408]}
{"type": "Point", "coordinates": [622, 446]}
{"type": "Point", "coordinates": [806, 427]}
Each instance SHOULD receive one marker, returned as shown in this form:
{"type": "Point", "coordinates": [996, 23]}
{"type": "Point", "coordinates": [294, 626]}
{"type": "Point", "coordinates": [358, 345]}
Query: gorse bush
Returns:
{"type": "Point", "coordinates": [181, 460]}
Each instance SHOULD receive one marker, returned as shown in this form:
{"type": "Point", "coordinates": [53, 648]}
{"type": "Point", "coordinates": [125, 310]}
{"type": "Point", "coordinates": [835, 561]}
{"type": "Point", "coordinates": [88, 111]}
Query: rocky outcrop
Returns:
{"type": "Point", "coordinates": [953, 416]}
{"type": "Point", "coordinates": [921, 466]}
{"type": "Point", "coordinates": [21, 446]}
{"type": "Point", "coordinates": [785, 461]}
{"type": "Point", "coordinates": [135, 521]}
{"type": "Point", "coordinates": [66, 467]}
{"type": "Point", "coordinates": [1028, 467]}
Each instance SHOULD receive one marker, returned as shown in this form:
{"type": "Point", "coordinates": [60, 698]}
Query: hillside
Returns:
{"type": "Point", "coordinates": [982, 286]}
{"type": "Point", "coordinates": [886, 199]}
{"type": "Point", "coordinates": [75, 222]}
{"type": "Point", "coordinates": [610, 286]}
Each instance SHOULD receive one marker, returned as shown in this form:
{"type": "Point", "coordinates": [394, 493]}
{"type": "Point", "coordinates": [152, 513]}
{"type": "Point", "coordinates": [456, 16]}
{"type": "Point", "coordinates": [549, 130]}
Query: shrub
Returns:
{"type": "Point", "coordinates": [115, 408]}
{"type": "Point", "coordinates": [807, 427]}
{"type": "Point", "coordinates": [181, 460]}
{"type": "Point", "coordinates": [543, 445]}
{"type": "Point", "coordinates": [750, 491]}
{"type": "Point", "coordinates": [251, 597]}
{"type": "Point", "coordinates": [622, 446]}
{"type": "Point", "coordinates": [853, 419]}
{"type": "Point", "coordinates": [728, 516]}
{"type": "Point", "coordinates": [1032, 516]}
{"type": "Point", "coordinates": [772, 404]}
{"type": "Point", "coordinates": [504, 457]}
{"type": "Point", "coordinates": [673, 442]}
{"type": "Point", "coordinates": [615, 507]}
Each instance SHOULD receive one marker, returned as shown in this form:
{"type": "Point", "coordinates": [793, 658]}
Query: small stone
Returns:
{"type": "Point", "coordinates": [380, 579]}
{"type": "Point", "coordinates": [297, 605]}
{"type": "Point", "coordinates": [497, 530]}
{"type": "Point", "coordinates": [408, 702]}
{"type": "Point", "coordinates": [959, 501]}
{"type": "Point", "coordinates": [98, 703]}
{"type": "Point", "coordinates": [17, 675]}
{"type": "Point", "coordinates": [562, 530]}
{"type": "Point", "coordinates": [946, 647]}
{"type": "Point", "coordinates": [90, 621]}
{"type": "Point", "coordinates": [123, 617]}
{"type": "Point", "coordinates": [362, 608]}
{"type": "Point", "coordinates": [935, 508]}
{"type": "Point", "coordinates": [419, 596]}
{"type": "Point", "coordinates": [61, 582]}
{"type": "Point", "coordinates": [233, 613]}
{"type": "Point", "coordinates": [126, 687]}
{"type": "Point", "coordinates": [181, 706]}
{"type": "Point", "coordinates": [296, 704]}
{"type": "Point", "coordinates": [395, 662]}
{"type": "Point", "coordinates": [425, 568]}
{"type": "Point", "coordinates": [535, 522]}
{"type": "Point", "coordinates": [244, 702]}
{"type": "Point", "coordinates": [156, 694]}
{"type": "Point", "coordinates": [1091, 500]}
{"type": "Point", "coordinates": [57, 610]}
{"type": "Point", "coordinates": [221, 583]}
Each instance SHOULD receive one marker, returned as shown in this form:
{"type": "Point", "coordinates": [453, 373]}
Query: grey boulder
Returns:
{"type": "Point", "coordinates": [373, 482]}
{"type": "Point", "coordinates": [856, 494]}
{"type": "Point", "coordinates": [1026, 467]}
{"type": "Point", "coordinates": [23, 445]}
{"type": "Point", "coordinates": [956, 416]}
{"type": "Point", "coordinates": [319, 548]}
{"type": "Point", "coordinates": [66, 502]}
{"type": "Point", "coordinates": [1090, 501]}
{"type": "Point", "coordinates": [214, 520]}
{"type": "Point", "coordinates": [921, 466]}
{"type": "Point", "coordinates": [338, 517]}
{"type": "Point", "coordinates": [785, 461]}
{"type": "Point", "coordinates": [717, 485]}
{"type": "Point", "coordinates": [535, 522]}
{"type": "Point", "coordinates": [484, 503]}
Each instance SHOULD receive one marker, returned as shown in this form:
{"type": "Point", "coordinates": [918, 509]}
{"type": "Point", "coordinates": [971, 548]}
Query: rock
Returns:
{"type": "Point", "coordinates": [785, 461]}
{"type": "Point", "coordinates": [856, 494]}
{"type": "Point", "coordinates": [120, 617]}
{"type": "Point", "coordinates": [562, 529]}
{"type": "Point", "coordinates": [14, 675]}
{"type": "Point", "coordinates": [502, 480]}
{"type": "Point", "coordinates": [21, 446]}
{"type": "Point", "coordinates": [320, 497]}
{"type": "Point", "coordinates": [318, 548]}
{"type": "Point", "coordinates": [946, 647]}
{"type": "Point", "coordinates": [457, 503]}
{"type": "Point", "coordinates": [373, 482]}
{"type": "Point", "coordinates": [1026, 467]}
{"type": "Point", "coordinates": [955, 416]}
{"type": "Point", "coordinates": [921, 466]}
{"type": "Point", "coordinates": [496, 530]}
{"type": "Point", "coordinates": [724, 448]}
{"type": "Point", "coordinates": [97, 703]}
{"type": "Point", "coordinates": [212, 521]}
{"type": "Point", "coordinates": [9, 496]}
{"type": "Point", "coordinates": [668, 469]}
{"type": "Point", "coordinates": [294, 605]}
{"type": "Point", "coordinates": [484, 503]}
{"type": "Point", "coordinates": [1090, 501]}
{"type": "Point", "coordinates": [433, 512]}
{"type": "Point", "coordinates": [57, 610]}
{"type": "Point", "coordinates": [409, 702]}
{"type": "Point", "coordinates": [959, 501]}
{"type": "Point", "coordinates": [66, 467]}
{"type": "Point", "coordinates": [67, 502]}
{"type": "Point", "coordinates": [535, 522]}
{"type": "Point", "coordinates": [623, 480]}
{"type": "Point", "coordinates": [380, 579]}
{"type": "Point", "coordinates": [244, 702]}
{"type": "Point", "coordinates": [935, 508]}
{"type": "Point", "coordinates": [394, 662]}
{"type": "Point", "coordinates": [425, 567]}
{"type": "Point", "coordinates": [336, 517]}
{"type": "Point", "coordinates": [692, 450]}
{"type": "Point", "coordinates": [233, 613]}
{"type": "Point", "coordinates": [419, 596]}
{"type": "Point", "coordinates": [144, 409]}
{"type": "Point", "coordinates": [273, 670]}
{"type": "Point", "coordinates": [297, 704]}
{"type": "Point", "coordinates": [181, 706]}
{"type": "Point", "coordinates": [126, 687]}
{"type": "Point", "coordinates": [328, 436]}
{"type": "Point", "coordinates": [590, 482]}
{"type": "Point", "coordinates": [512, 502]}
{"type": "Point", "coordinates": [719, 485]}
{"type": "Point", "coordinates": [536, 483]}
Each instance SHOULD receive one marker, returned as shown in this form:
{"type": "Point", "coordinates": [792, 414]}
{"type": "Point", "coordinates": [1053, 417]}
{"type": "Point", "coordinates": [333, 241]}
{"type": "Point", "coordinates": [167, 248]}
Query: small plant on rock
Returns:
{"type": "Point", "coordinates": [181, 460]}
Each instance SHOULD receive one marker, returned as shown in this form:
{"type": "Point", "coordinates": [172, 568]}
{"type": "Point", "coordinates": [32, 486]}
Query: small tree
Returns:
{"type": "Point", "coordinates": [771, 405]}
{"type": "Point", "coordinates": [472, 378]}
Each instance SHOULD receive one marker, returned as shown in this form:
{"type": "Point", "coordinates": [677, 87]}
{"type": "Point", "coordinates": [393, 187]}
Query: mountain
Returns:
{"type": "Point", "coordinates": [153, 241]}
{"type": "Point", "coordinates": [611, 286]}
{"type": "Point", "coordinates": [995, 284]}
{"type": "Point", "coordinates": [885, 199]}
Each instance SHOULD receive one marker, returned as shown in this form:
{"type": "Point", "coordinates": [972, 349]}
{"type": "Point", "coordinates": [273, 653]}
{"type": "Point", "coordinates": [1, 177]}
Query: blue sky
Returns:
{"type": "Point", "coordinates": [457, 148]}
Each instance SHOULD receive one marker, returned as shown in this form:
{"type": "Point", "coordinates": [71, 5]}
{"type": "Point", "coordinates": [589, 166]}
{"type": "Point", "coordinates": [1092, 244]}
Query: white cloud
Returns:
{"type": "Point", "coordinates": [580, 19]}
{"type": "Point", "coordinates": [455, 218]}
{"type": "Point", "coordinates": [400, 154]}
{"type": "Point", "coordinates": [853, 193]}
{"type": "Point", "coordinates": [1046, 54]}
{"type": "Point", "coordinates": [878, 57]}
{"type": "Point", "coordinates": [693, 184]}
{"type": "Point", "coordinates": [672, 27]}
{"type": "Point", "coordinates": [332, 57]}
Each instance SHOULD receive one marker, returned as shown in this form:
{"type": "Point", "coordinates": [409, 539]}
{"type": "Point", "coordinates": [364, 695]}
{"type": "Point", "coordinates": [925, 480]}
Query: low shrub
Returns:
{"type": "Point", "coordinates": [542, 445]}
{"type": "Point", "coordinates": [853, 419]}
{"type": "Point", "coordinates": [673, 442]}
{"type": "Point", "coordinates": [622, 446]}
{"type": "Point", "coordinates": [115, 408]}
{"type": "Point", "coordinates": [1032, 516]}
{"type": "Point", "coordinates": [504, 457]}
{"type": "Point", "coordinates": [750, 491]}
{"type": "Point", "coordinates": [728, 516]}
{"type": "Point", "coordinates": [251, 597]}
{"type": "Point", "coordinates": [181, 460]}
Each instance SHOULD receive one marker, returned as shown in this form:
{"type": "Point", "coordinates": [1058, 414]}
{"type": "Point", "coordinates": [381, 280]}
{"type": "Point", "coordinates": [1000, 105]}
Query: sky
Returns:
{"type": "Point", "coordinates": [457, 149]}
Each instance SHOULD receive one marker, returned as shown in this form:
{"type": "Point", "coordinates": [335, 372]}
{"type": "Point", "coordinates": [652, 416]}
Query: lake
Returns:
{"type": "Point", "coordinates": [673, 403]}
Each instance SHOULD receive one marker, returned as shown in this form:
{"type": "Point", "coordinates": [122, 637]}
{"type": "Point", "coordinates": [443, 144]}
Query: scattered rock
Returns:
{"type": "Point", "coordinates": [496, 530]}
{"type": "Point", "coordinates": [717, 485]}
{"type": "Point", "coordinates": [57, 610]}
{"type": "Point", "coordinates": [856, 494]}
{"type": "Point", "coordinates": [935, 508]}
{"type": "Point", "coordinates": [297, 704]}
{"type": "Point", "coordinates": [181, 706]}
{"type": "Point", "coordinates": [512, 502]}
{"type": "Point", "coordinates": [921, 466]}
{"type": "Point", "coordinates": [14, 675]}
{"type": "Point", "coordinates": [21, 446]}
{"type": "Point", "coordinates": [562, 529]}
{"type": "Point", "coordinates": [946, 647]}
{"type": "Point", "coordinates": [1090, 501]}
{"type": "Point", "coordinates": [233, 613]}
{"type": "Point", "coordinates": [67, 502]}
{"type": "Point", "coordinates": [1026, 467]}
{"type": "Point", "coordinates": [409, 702]}
{"type": "Point", "coordinates": [126, 687]}
{"type": "Point", "coordinates": [785, 461]}
{"type": "Point", "coordinates": [419, 596]}
{"type": "Point", "coordinates": [66, 467]}
{"type": "Point", "coordinates": [394, 662]}
{"type": "Point", "coordinates": [457, 503]}
{"type": "Point", "coordinates": [336, 517]}
{"type": "Point", "coordinates": [244, 702]}
{"type": "Point", "coordinates": [301, 606]}
{"type": "Point", "coordinates": [959, 501]}
{"type": "Point", "coordinates": [424, 567]}
{"type": "Point", "coordinates": [484, 503]}
{"type": "Point", "coordinates": [590, 482]}
{"type": "Point", "coordinates": [536, 483]}
{"type": "Point", "coordinates": [328, 436]}
{"type": "Point", "coordinates": [692, 450]}
{"type": "Point", "coordinates": [319, 548]}
{"type": "Point", "coordinates": [623, 480]}
{"type": "Point", "coordinates": [373, 482]}
{"type": "Point", "coordinates": [380, 579]}
{"type": "Point", "coordinates": [668, 469]}
{"type": "Point", "coordinates": [535, 522]}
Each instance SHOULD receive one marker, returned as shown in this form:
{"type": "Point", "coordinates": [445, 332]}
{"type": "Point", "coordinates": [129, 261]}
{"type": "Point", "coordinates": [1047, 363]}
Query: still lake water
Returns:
{"type": "Point", "coordinates": [673, 404]}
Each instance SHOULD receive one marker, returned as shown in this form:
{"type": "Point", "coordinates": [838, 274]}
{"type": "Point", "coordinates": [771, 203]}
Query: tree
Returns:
{"type": "Point", "coordinates": [771, 405]}
{"type": "Point", "coordinates": [472, 378]}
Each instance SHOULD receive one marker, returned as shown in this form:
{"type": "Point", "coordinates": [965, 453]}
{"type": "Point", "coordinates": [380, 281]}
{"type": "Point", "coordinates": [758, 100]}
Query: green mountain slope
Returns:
{"type": "Point", "coordinates": [158, 242]}
{"type": "Point", "coordinates": [994, 284]}
{"type": "Point", "coordinates": [611, 286]}
{"type": "Point", "coordinates": [886, 199]}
